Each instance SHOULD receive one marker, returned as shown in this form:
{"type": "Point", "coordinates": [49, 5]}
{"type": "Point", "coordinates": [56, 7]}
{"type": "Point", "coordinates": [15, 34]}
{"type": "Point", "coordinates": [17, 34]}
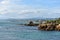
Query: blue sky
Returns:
{"type": "Point", "coordinates": [29, 8]}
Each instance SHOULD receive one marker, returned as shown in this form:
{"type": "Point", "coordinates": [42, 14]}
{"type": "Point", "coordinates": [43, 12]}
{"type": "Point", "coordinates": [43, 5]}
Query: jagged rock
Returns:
{"type": "Point", "coordinates": [47, 27]}
{"type": "Point", "coordinates": [58, 27]}
{"type": "Point", "coordinates": [51, 27]}
{"type": "Point", "coordinates": [42, 26]}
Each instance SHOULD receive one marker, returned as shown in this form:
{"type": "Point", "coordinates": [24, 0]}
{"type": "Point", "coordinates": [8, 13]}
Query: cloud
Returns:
{"type": "Point", "coordinates": [14, 10]}
{"type": "Point", "coordinates": [5, 2]}
{"type": "Point", "coordinates": [4, 6]}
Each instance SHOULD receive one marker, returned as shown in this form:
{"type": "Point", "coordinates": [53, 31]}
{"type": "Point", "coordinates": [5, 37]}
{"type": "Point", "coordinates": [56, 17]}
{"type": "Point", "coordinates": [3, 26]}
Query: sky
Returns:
{"type": "Point", "coordinates": [29, 9]}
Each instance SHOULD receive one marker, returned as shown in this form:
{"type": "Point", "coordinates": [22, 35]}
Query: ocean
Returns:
{"type": "Point", "coordinates": [11, 30]}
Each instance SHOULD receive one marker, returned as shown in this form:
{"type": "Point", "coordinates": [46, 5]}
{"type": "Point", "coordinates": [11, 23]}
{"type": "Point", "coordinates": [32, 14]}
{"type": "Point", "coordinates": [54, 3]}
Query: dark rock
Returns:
{"type": "Point", "coordinates": [49, 27]}
{"type": "Point", "coordinates": [31, 24]}
{"type": "Point", "coordinates": [42, 26]}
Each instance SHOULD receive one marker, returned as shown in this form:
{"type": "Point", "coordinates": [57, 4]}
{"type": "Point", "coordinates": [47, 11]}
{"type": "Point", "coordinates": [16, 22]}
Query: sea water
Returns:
{"type": "Point", "coordinates": [13, 31]}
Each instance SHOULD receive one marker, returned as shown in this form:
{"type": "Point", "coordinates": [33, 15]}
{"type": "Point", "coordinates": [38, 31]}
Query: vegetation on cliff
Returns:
{"type": "Point", "coordinates": [57, 20]}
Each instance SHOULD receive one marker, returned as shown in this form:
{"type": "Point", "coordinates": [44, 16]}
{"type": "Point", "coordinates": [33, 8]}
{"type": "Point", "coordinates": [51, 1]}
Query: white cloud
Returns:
{"type": "Point", "coordinates": [5, 2]}
{"type": "Point", "coordinates": [6, 7]}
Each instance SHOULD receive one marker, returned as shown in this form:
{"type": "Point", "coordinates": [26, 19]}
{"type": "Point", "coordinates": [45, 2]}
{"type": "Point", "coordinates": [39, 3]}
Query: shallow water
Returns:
{"type": "Point", "coordinates": [11, 31]}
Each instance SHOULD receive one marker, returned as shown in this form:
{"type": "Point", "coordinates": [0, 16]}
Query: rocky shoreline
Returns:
{"type": "Point", "coordinates": [31, 23]}
{"type": "Point", "coordinates": [51, 25]}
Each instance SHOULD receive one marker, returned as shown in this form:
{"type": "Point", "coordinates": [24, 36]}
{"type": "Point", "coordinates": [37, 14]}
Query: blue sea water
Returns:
{"type": "Point", "coordinates": [13, 31]}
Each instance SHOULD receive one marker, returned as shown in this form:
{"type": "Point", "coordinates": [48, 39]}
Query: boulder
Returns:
{"type": "Point", "coordinates": [50, 27]}
{"type": "Point", "coordinates": [42, 26]}
{"type": "Point", "coordinates": [31, 23]}
{"type": "Point", "coordinates": [47, 27]}
{"type": "Point", "coordinates": [58, 27]}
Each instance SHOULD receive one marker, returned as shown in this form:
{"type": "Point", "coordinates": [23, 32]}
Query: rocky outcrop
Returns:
{"type": "Point", "coordinates": [49, 27]}
{"type": "Point", "coordinates": [58, 27]}
{"type": "Point", "coordinates": [31, 23]}
{"type": "Point", "coordinates": [42, 26]}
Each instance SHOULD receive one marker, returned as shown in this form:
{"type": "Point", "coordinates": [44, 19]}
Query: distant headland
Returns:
{"type": "Point", "coordinates": [47, 25]}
